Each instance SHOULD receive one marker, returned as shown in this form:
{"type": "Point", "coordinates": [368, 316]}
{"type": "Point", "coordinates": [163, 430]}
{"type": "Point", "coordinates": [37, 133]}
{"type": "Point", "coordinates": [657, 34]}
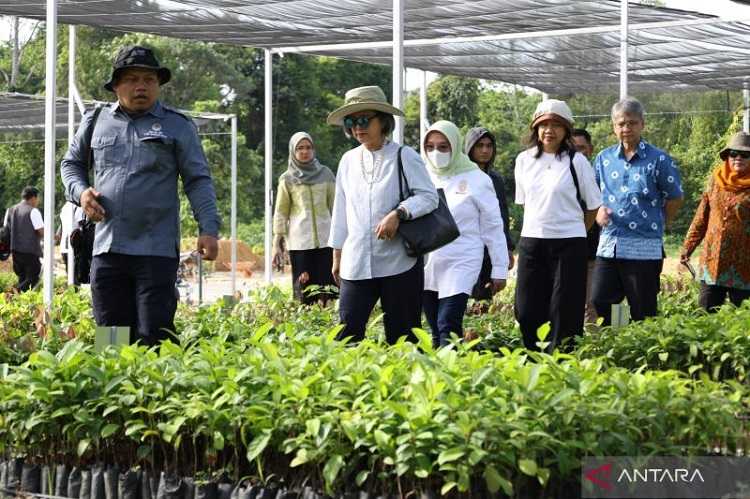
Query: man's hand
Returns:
{"type": "Point", "coordinates": [496, 285]}
{"type": "Point", "coordinates": [387, 227]}
{"type": "Point", "coordinates": [602, 216]}
{"type": "Point", "coordinates": [208, 246]}
{"type": "Point", "coordinates": [511, 260]}
{"type": "Point", "coordinates": [90, 205]}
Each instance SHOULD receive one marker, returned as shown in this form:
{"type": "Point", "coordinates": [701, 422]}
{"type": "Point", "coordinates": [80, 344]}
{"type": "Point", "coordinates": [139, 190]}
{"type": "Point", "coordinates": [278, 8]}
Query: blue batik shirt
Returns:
{"type": "Point", "coordinates": [635, 191]}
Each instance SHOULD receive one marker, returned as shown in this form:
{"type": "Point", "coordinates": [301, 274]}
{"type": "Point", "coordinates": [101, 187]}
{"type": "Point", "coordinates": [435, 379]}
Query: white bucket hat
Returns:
{"type": "Point", "coordinates": [551, 109]}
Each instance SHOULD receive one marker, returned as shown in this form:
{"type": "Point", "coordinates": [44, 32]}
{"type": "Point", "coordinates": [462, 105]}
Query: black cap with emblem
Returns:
{"type": "Point", "coordinates": [135, 56]}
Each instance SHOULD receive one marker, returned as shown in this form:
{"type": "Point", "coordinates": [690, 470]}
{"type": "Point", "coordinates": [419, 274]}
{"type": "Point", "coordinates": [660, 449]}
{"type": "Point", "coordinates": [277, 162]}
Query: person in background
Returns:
{"type": "Point", "coordinates": [481, 148]}
{"type": "Point", "coordinates": [641, 194]}
{"type": "Point", "coordinates": [140, 148]}
{"type": "Point", "coordinates": [369, 258]}
{"type": "Point", "coordinates": [26, 232]}
{"type": "Point", "coordinates": [70, 215]}
{"type": "Point", "coordinates": [559, 195]}
{"type": "Point", "coordinates": [452, 271]}
{"type": "Point", "coordinates": [582, 143]}
{"type": "Point", "coordinates": [302, 220]}
{"type": "Point", "coordinates": [722, 224]}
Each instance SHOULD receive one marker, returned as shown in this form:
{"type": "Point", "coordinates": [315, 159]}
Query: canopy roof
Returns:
{"type": "Point", "coordinates": [24, 112]}
{"type": "Point", "coordinates": [687, 51]}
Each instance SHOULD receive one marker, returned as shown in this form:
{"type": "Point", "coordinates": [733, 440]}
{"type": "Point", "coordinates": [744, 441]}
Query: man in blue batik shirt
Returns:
{"type": "Point", "coordinates": [641, 193]}
{"type": "Point", "coordinates": [137, 149]}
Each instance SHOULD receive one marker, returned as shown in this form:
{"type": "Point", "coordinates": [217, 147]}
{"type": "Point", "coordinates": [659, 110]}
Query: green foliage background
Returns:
{"type": "Point", "coordinates": [227, 79]}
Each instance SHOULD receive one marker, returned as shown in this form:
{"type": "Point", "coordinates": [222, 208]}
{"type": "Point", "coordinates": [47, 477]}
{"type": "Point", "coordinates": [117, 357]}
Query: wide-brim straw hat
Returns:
{"type": "Point", "coordinates": [370, 98]}
{"type": "Point", "coordinates": [552, 109]}
{"type": "Point", "coordinates": [739, 142]}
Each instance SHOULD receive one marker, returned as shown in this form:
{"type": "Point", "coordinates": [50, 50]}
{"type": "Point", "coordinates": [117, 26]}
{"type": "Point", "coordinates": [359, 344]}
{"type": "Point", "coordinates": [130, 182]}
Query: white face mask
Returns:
{"type": "Point", "coordinates": [439, 159]}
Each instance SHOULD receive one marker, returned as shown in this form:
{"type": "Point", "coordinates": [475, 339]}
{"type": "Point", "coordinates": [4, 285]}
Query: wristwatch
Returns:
{"type": "Point", "coordinates": [402, 213]}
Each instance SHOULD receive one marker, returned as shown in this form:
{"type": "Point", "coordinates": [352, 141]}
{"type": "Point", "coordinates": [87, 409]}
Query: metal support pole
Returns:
{"type": "Point", "coordinates": [50, 90]}
{"type": "Point", "coordinates": [269, 162]}
{"type": "Point", "coordinates": [424, 123]}
{"type": "Point", "coordinates": [233, 221]}
{"type": "Point", "coordinates": [746, 114]}
{"type": "Point", "coordinates": [623, 49]}
{"type": "Point", "coordinates": [398, 66]}
{"type": "Point", "coordinates": [71, 130]}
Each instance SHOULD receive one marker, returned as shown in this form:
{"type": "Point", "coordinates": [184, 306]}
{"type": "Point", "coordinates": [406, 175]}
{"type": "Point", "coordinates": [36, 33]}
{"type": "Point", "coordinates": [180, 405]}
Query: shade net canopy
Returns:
{"type": "Point", "coordinates": [25, 113]}
{"type": "Point", "coordinates": [697, 56]}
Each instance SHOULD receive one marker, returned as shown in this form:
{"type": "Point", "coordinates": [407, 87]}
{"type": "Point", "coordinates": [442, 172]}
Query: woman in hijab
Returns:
{"type": "Point", "coordinates": [369, 257]}
{"type": "Point", "coordinates": [481, 148]}
{"type": "Point", "coordinates": [452, 271]}
{"type": "Point", "coordinates": [722, 223]}
{"type": "Point", "coordinates": [302, 220]}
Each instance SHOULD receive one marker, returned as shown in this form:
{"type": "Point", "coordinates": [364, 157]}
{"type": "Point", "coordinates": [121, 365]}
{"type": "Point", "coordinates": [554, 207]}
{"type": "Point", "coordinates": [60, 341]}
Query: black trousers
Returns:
{"type": "Point", "coordinates": [400, 297]}
{"type": "Point", "coordinates": [712, 297]}
{"type": "Point", "coordinates": [551, 287]}
{"type": "Point", "coordinates": [135, 291]}
{"type": "Point", "coordinates": [636, 280]}
{"type": "Point", "coordinates": [28, 268]}
{"type": "Point", "coordinates": [317, 263]}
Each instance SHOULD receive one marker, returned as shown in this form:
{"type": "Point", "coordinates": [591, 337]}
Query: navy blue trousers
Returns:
{"type": "Point", "coordinates": [135, 291]}
{"type": "Point", "coordinates": [444, 315]}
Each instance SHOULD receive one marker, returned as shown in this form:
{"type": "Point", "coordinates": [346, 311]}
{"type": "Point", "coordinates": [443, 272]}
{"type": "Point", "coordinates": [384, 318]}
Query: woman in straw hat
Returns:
{"type": "Point", "coordinates": [369, 257]}
{"type": "Point", "coordinates": [558, 191]}
{"type": "Point", "coordinates": [302, 221]}
{"type": "Point", "coordinates": [452, 271]}
{"type": "Point", "coordinates": [722, 223]}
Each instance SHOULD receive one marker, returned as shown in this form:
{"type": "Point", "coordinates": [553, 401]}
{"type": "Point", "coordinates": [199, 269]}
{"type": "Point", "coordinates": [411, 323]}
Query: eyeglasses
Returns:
{"type": "Point", "coordinates": [739, 154]}
{"type": "Point", "coordinates": [360, 121]}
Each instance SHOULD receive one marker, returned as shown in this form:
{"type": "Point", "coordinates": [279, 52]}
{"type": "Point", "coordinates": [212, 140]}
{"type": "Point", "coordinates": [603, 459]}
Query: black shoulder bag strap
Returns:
{"type": "Point", "coordinates": [575, 181]}
{"type": "Point", "coordinates": [90, 136]}
{"type": "Point", "coordinates": [400, 175]}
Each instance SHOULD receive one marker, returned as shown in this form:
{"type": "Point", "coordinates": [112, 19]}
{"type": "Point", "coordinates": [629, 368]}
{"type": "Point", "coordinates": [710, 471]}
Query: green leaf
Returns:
{"type": "Point", "coordinates": [663, 356]}
{"type": "Point", "coordinates": [332, 468]}
{"type": "Point", "coordinates": [218, 440]}
{"type": "Point", "coordinates": [424, 338]}
{"type": "Point", "coordinates": [450, 455]}
{"type": "Point", "coordinates": [382, 438]}
{"type": "Point", "coordinates": [543, 331]}
{"type": "Point", "coordinates": [83, 446]}
{"type": "Point", "coordinates": [362, 477]}
{"type": "Point", "coordinates": [528, 467]}
{"type": "Point", "coordinates": [447, 487]}
{"type": "Point", "coordinates": [258, 445]}
{"type": "Point", "coordinates": [495, 481]}
{"type": "Point", "coordinates": [109, 430]}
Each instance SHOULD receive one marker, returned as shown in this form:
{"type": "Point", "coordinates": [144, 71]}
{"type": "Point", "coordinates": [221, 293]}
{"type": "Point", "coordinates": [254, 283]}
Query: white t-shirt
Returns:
{"type": "Point", "coordinates": [544, 186]}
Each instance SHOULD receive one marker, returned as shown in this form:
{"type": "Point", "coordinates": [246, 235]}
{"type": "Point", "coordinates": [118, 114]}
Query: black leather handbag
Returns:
{"type": "Point", "coordinates": [429, 232]}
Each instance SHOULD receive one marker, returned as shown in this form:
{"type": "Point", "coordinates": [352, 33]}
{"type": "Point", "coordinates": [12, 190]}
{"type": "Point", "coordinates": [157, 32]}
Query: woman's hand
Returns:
{"type": "Point", "coordinates": [387, 227]}
{"type": "Point", "coordinates": [278, 254]}
{"type": "Point", "coordinates": [336, 268]}
{"type": "Point", "coordinates": [496, 285]}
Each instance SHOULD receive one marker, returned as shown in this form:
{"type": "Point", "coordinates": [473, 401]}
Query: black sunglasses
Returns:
{"type": "Point", "coordinates": [739, 154]}
{"type": "Point", "coordinates": [360, 121]}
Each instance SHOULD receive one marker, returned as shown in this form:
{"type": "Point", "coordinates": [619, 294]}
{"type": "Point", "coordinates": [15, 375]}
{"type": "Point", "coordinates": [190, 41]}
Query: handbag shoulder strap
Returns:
{"type": "Point", "coordinates": [90, 136]}
{"type": "Point", "coordinates": [575, 181]}
{"type": "Point", "coordinates": [401, 175]}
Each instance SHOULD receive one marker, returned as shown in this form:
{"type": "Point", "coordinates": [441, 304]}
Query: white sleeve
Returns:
{"type": "Point", "coordinates": [518, 173]}
{"type": "Point", "coordinates": [36, 219]}
{"type": "Point", "coordinates": [424, 197]}
{"type": "Point", "coordinates": [6, 218]}
{"type": "Point", "coordinates": [339, 227]}
{"type": "Point", "coordinates": [587, 179]}
{"type": "Point", "coordinates": [491, 226]}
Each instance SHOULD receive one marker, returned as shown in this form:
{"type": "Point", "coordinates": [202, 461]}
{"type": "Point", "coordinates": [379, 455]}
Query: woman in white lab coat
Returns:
{"type": "Point", "coordinates": [452, 271]}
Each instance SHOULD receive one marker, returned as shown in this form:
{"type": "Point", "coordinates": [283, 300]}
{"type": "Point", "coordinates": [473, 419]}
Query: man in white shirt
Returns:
{"type": "Point", "coordinates": [26, 231]}
{"type": "Point", "coordinates": [70, 215]}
